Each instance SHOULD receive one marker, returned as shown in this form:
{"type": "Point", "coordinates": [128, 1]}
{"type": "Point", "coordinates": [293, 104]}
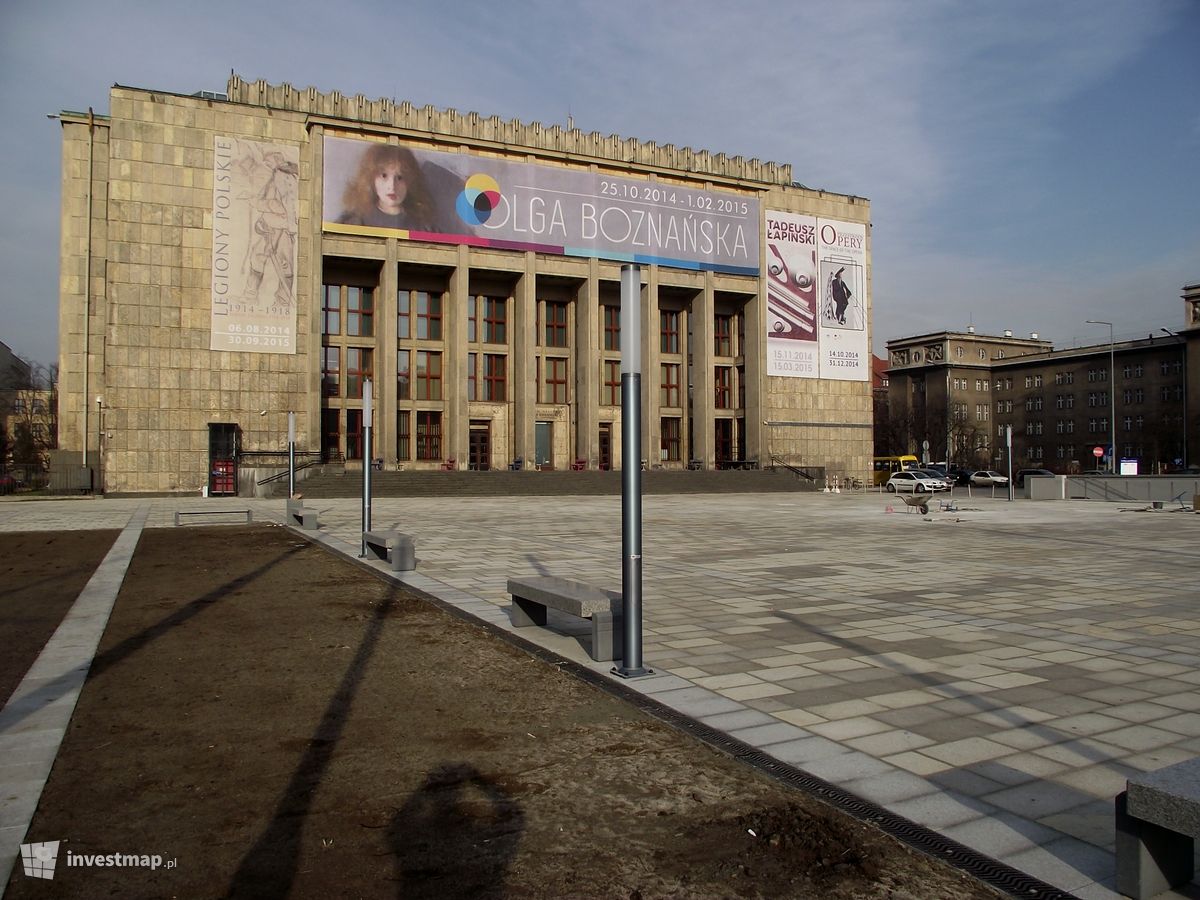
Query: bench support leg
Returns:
{"type": "Point", "coordinates": [606, 636]}
{"type": "Point", "coordinates": [526, 612]}
{"type": "Point", "coordinates": [404, 556]}
{"type": "Point", "coordinates": [1150, 859]}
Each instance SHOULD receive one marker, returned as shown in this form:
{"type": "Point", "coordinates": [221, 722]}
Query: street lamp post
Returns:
{"type": "Point", "coordinates": [1183, 344]}
{"type": "Point", "coordinates": [1112, 393]}
{"type": "Point", "coordinates": [99, 445]}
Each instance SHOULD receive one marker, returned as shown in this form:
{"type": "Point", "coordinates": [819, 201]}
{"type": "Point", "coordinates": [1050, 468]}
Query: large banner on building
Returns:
{"type": "Point", "coordinates": [255, 226]}
{"type": "Point", "coordinates": [372, 187]}
{"type": "Point", "coordinates": [816, 311]}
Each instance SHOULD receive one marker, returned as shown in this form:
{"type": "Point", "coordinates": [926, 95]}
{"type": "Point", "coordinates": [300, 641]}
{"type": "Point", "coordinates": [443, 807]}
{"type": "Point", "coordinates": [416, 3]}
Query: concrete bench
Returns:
{"type": "Point", "coordinates": [394, 548]}
{"type": "Point", "coordinates": [1158, 819]}
{"type": "Point", "coordinates": [180, 513]}
{"type": "Point", "coordinates": [533, 595]}
{"type": "Point", "coordinates": [305, 517]}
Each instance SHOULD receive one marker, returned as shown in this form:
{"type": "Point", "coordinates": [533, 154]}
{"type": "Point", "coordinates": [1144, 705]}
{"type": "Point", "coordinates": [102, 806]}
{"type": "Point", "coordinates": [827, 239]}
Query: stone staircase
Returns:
{"type": "Point", "coordinates": [335, 483]}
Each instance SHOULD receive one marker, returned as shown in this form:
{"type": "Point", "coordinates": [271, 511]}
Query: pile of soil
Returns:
{"type": "Point", "coordinates": [275, 721]}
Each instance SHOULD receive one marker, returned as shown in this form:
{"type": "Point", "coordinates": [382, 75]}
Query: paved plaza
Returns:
{"type": "Point", "coordinates": [994, 672]}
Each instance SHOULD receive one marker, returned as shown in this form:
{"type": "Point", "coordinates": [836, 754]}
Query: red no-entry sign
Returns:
{"type": "Point", "coordinates": [1098, 452]}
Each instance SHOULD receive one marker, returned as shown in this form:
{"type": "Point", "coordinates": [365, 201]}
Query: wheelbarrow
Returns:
{"type": "Point", "coordinates": [918, 502]}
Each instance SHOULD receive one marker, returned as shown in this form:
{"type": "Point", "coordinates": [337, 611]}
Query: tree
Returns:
{"type": "Point", "coordinates": [32, 417]}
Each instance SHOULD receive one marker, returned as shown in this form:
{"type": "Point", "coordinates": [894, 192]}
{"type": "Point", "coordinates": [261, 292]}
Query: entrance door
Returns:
{"type": "Point", "coordinates": [543, 440]}
{"type": "Point", "coordinates": [222, 459]}
{"type": "Point", "coordinates": [605, 446]}
{"type": "Point", "coordinates": [479, 455]}
{"type": "Point", "coordinates": [723, 439]}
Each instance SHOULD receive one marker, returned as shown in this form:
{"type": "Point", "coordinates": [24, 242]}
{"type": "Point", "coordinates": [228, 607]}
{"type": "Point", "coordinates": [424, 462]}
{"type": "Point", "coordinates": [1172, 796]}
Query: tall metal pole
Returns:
{"type": "Point", "coordinates": [1112, 390]}
{"type": "Point", "coordinates": [99, 445]}
{"type": "Point", "coordinates": [631, 473]}
{"type": "Point", "coordinates": [1183, 344]}
{"type": "Point", "coordinates": [366, 457]}
{"type": "Point", "coordinates": [291, 455]}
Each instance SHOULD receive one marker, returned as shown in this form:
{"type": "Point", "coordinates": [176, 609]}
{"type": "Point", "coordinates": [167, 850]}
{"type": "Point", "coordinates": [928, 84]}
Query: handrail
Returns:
{"type": "Point", "coordinates": [279, 476]}
{"type": "Point", "coordinates": [799, 473]}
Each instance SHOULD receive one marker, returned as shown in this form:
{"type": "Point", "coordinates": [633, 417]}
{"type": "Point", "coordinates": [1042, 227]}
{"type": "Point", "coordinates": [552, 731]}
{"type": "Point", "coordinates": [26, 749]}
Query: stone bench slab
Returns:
{"type": "Point", "coordinates": [533, 595]}
{"type": "Point", "coordinates": [1157, 821]}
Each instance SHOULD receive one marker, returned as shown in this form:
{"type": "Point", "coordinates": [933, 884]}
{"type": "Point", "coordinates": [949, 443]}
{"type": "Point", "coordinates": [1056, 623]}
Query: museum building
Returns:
{"type": "Point", "coordinates": [228, 259]}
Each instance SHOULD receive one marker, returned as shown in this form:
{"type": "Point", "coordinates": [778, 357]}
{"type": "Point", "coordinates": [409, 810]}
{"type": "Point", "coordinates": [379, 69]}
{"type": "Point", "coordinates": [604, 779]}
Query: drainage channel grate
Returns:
{"type": "Point", "coordinates": [990, 871]}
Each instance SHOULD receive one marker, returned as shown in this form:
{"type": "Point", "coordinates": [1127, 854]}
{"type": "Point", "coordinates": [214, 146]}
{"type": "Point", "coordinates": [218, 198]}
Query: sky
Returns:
{"type": "Point", "coordinates": [1030, 164]}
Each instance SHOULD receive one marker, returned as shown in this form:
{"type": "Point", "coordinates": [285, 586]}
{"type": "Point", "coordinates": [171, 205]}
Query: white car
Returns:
{"type": "Point", "coordinates": [940, 481]}
{"type": "Point", "coordinates": [988, 478]}
{"type": "Point", "coordinates": [913, 482]}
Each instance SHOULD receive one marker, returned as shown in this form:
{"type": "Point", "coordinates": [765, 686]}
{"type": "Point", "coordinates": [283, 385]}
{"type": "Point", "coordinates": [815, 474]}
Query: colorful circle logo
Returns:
{"type": "Point", "coordinates": [479, 199]}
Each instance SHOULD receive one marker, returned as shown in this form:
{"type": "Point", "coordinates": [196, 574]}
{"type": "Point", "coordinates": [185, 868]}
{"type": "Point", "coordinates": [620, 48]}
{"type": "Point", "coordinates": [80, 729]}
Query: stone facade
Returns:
{"type": "Point", "coordinates": [139, 339]}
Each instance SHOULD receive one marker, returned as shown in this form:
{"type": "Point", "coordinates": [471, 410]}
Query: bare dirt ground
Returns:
{"type": "Point", "coordinates": [274, 721]}
{"type": "Point", "coordinates": [41, 574]}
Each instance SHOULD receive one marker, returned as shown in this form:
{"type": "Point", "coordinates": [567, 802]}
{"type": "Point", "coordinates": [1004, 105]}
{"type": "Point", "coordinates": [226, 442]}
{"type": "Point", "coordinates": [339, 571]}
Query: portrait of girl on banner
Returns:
{"type": "Point", "coordinates": [386, 186]}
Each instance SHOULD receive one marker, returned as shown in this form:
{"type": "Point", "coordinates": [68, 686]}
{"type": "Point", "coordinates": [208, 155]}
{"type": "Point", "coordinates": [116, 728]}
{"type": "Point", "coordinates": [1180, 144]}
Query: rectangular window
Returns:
{"type": "Point", "coordinates": [723, 384]}
{"type": "Point", "coordinates": [668, 394]}
{"type": "Point", "coordinates": [403, 375]}
{"type": "Point", "coordinates": [612, 327]}
{"type": "Point", "coordinates": [429, 435]}
{"type": "Point", "coordinates": [404, 434]}
{"type": "Point", "coordinates": [360, 312]}
{"type": "Point", "coordinates": [723, 335]}
{"type": "Point", "coordinates": [668, 332]}
{"type": "Point", "coordinates": [555, 389]}
{"type": "Point", "coordinates": [429, 375]}
{"type": "Point", "coordinates": [429, 316]}
{"type": "Point", "coordinates": [1128, 423]}
{"type": "Point", "coordinates": [495, 320]}
{"type": "Point", "coordinates": [472, 377]}
{"type": "Point", "coordinates": [741, 387]}
{"type": "Point", "coordinates": [358, 367]}
{"type": "Point", "coordinates": [403, 315]}
{"type": "Point", "coordinates": [331, 309]}
{"type": "Point", "coordinates": [556, 325]}
{"type": "Point", "coordinates": [495, 380]}
{"type": "Point", "coordinates": [610, 391]}
{"type": "Point", "coordinates": [472, 319]}
{"type": "Point", "coordinates": [670, 439]}
{"type": "Point", "coordinates": [331, 371]}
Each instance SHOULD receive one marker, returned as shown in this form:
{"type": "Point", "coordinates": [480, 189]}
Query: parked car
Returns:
{"type": "Point", "coordinates": [956, 475]}
{"type": "Point", "coordinates": [988, 478]}
{"type": "Point", "coordinates": [935, 476]}
{"type": "Point", "coordinates": [1019, 478]}
{"type": "Point", "coordinates": [8, 484]}
{"type": "Point", "coordinates": [914, 482]}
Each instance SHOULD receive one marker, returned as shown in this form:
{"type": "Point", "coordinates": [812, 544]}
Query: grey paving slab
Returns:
{"type": "Point", "coordinates": [1041, 654]}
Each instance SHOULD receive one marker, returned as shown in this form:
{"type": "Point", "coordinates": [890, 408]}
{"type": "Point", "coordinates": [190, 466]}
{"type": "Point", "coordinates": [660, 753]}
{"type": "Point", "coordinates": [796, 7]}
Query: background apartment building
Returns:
{"type": "Point", "coordinates": [962, 391]}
